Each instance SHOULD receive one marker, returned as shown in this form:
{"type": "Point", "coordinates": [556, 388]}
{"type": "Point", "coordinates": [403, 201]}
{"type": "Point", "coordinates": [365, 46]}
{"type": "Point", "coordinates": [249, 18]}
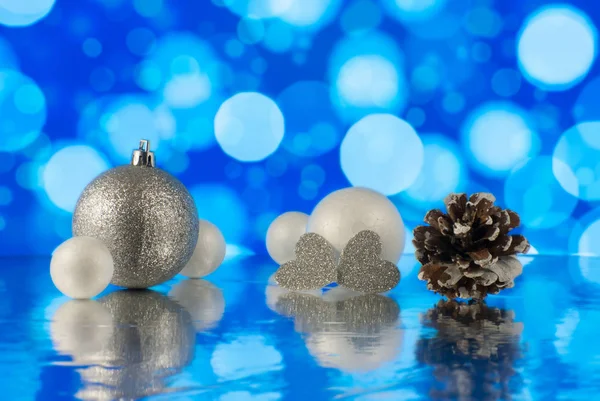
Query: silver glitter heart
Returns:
{"type": "Point", "coordinates": [313, 268]}
{"type": "Point", "coordinates": [361, 267]}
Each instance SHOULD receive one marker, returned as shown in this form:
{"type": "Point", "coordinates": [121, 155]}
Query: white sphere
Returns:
{"type": "Point", "coordinates": [283, 234]}
{"type": "Point", "coordinates": [209, 252]}
{"type": "Point", "coordinates": [344, 213]}
{"type": "Point", "coordinates": [81, 267]}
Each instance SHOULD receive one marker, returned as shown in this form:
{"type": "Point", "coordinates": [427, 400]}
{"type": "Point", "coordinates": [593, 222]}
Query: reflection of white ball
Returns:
{"type": "Point", "coordinates": [202, 300]}
{"type": "Point", "coordinates": [81, 267]}
{"type": "Point", "coordinates": [209, 252]}
{"type": "Point", "coordinates": [283, 234]}
{"type": "Point", "coordinates": [81, 328]}
{"type": "Point", "coordinates": [355, 352]}
{"type": "Point", "coordinates": [344, 213]}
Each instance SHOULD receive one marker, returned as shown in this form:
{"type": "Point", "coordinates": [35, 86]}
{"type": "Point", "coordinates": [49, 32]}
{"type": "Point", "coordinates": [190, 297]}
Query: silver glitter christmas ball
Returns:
{"type": "Point", "coordinates": [145, 216]}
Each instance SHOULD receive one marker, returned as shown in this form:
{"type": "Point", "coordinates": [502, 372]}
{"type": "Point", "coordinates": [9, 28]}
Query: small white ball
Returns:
{"type": "Point", "coordinates": [81, 267]}
{"type": "Point", "coordinates": [283, 234]}
{"type": "Point", "coordinates": [344, 213]}
{"type": "Point", "coordinates": [209, 252]}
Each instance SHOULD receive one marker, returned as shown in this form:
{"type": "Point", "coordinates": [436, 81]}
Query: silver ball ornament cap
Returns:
{"type": "Point", "coordinates": [144, 215]}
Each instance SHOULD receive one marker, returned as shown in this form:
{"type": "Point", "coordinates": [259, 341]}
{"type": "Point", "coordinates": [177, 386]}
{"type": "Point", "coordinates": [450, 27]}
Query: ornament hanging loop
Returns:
{"type": "Point", "coordinates": [142, 156]}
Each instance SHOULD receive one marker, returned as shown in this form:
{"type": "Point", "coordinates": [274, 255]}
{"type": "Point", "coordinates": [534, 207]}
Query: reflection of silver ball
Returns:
{"type": "Point", "coordinates": [344, 213]}
{"type": "Point", "coordinates": [203, 300]}
{"type": "Point", "coordinates": [152, 339]}
{"type": "Point", "coordinates": [146, 218]}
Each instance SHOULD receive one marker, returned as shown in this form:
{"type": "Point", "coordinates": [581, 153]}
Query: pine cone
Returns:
{"type": "Point", "coordinates": [460, 250]}
{"type": "Point", "coordinates": [452, 281]}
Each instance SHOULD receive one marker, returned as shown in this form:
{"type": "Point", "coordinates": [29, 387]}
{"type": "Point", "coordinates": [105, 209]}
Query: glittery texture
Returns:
{"type": "Point", "coordinates": [346, 331]}
{"type": "Point", "coordinates": [361, 267]}
{"type": "Point", "coordinates": [147, 219]}
{"type": "Point", "coordinates": [152, 339]}
{"type": "Point", "coordinates": [313, 268]}
{"type": "Point", "coordinates": [357, 312]}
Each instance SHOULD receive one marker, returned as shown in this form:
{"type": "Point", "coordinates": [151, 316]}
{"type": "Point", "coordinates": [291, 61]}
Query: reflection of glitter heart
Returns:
{"type": "Point", "coordinates": [313, 268]}
{"type": "Point", "coordinates": [361, 267]}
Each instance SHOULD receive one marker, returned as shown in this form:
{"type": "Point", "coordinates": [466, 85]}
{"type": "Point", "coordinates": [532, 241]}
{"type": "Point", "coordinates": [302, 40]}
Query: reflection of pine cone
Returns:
{"type": "Point", "coordinates": [460, 250]}
{"type": "Point", "coordinates": [473, 352]}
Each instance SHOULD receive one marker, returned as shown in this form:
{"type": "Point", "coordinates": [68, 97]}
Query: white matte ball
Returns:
{"type": "Point", "coordinates": [209, 253]}
{"type": "Point", "coordinates": [81, 267]}
{"type": "Point", "coordinates": [283, 234]}
{"type": "Point", "coordinates": [344, 213]}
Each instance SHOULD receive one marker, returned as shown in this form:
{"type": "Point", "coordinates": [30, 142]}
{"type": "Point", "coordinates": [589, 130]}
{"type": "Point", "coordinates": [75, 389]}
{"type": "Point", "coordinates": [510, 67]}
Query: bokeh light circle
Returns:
{"type": "Point", "coordinates": [483, 21]}
{"type": "Point", "coordinates": [556, 47]}
{"type": "Point", "coordinates": [258, 9]}
{"type": "Point", "coordinates": [583, 242]}
{"type": "Point", "coordinates": [69, 171]}
{"type": "Point", "coordinates": [279, 37]}
{"type": "Point", "coordinates": [311, 126]}
{"type": "Point", "coordinates": [148, 8]}
{"type": "Point", "coordinates": [23, 111]}
{"type": "Point", "coordinates": [92, 47]}
{"type": "Point", "coordinates": [588, 242]}
{"type": "Point", "coordinates": [118, 123]}
{"type": "Point", "coordinates": [250, 30]}
{"type": "Point", "coordinates": [506, 82]}
{"type": "Point", "coordinates": [382, 152]}
{"type": "Point", "coordinates": [431, 19]}
{"type": "Point", "coordinates": [576, 160]}
{"type": "Point", "coordinates": [453, 102]}
{"type": "Point", "coordinates": [249, 126]}
{"type": "Point", "coordinates": [140, 41]}
{"type": "Point", "coordinates": [184, 67]}
{"type": "Point", "coordinates": [6, 196]}
{"type": "Point", "coordinates": [415, 116]}
{"type": "Point", "coordinates": [533, 191]}
{"type": "Point", "coordinates": [24, 12]}
{"type": "Point", "coordinates": [369, 80]}
{"type": "Point", "coordinates": [498, 136]}
{"type": "Point", "coordinates": [187, 90]}
{"type": "Point", "coordinates": [360, 16]}
{"type": "Point", "coordinates": [367, 76]}
{"type": "Point", "coordinates": [411, 10]}
{"type": "Point", "coordinates": [443, 172]}
{"type": "Point", "coordinates": [223, 207]}
{"type": "Point", "coordinates": [587, 107]}
{"type": "Point", "coordinates": [308, 14]}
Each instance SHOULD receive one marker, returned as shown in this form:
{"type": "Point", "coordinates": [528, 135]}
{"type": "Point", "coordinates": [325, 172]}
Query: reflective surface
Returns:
{"type": "Point", "coordinates": [237, 336]}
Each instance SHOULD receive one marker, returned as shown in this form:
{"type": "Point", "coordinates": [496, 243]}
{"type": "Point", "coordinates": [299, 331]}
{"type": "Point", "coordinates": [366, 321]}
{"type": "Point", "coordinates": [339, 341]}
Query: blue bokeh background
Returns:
{"type": "Point", "coordinates": [266, 106]}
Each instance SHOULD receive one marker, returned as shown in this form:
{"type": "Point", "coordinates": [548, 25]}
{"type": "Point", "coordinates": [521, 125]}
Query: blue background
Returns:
{"type": "Point", "coordinates": [266, 106]}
